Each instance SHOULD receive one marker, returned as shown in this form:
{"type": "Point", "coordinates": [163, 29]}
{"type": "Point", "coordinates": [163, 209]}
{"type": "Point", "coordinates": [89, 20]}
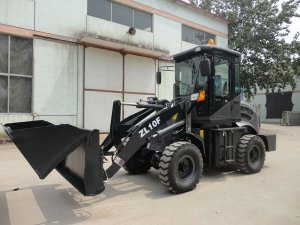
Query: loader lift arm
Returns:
{"type": "Point", "coordinates": [138, 136]}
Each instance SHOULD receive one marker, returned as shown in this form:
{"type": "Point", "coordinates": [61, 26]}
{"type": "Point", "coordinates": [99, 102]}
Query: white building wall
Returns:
{"type": "Point", "coordinates": [19, 13]}
{"type": "Point", "coordinates": [55, 82]}
{"type": "Point", "coordinates": [139, 74]}
{"type": "Point", "coordinates": [261, 99]}
{"type": "Point", "coordinates": [103, 78]}
{"type": "Point", "coordinates": [221, 41]}
{"type": "Point", "coordinates": [296, 96]}
{"type": "Point", "coordinates": [139, 78]}
{"type": "Point", "coordinates": [14, 118]}
{"type": "Point", "coordinates": [186, 13]}
{"type": "Point", "coordinates": [296, 101]}
{"type": "Point", "coordinates": [186, 46]}
{"type": "Point", "coordinates": [98, 108]}
{"type": "Point", "coordinates": [66, 18]}
{"type": "Point", "coordinates": [165, 89]}
{"type": "Point", "coordinates": [103, 69]}
{"type": "Point", "coordinates": [115, 31]}
{"type": "Point", "coordinates": [58, 67]}
{"type": "Point", "coordinates": [167, 34]}
{"type": "Point", "coordinates": [104, 84]}
{"type": "Point", "coordinates": [129, 110]}
{"type": "Point", "coordinates": [80, 84]}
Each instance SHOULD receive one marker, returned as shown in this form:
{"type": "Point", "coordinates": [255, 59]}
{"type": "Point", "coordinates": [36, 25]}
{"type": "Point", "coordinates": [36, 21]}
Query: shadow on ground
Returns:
{"type": "Point", "coordinates": [59, 205]}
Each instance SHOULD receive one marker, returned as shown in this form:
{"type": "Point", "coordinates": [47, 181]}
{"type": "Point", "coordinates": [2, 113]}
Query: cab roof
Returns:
{"type": "Point", "coordinates": [209, 49]}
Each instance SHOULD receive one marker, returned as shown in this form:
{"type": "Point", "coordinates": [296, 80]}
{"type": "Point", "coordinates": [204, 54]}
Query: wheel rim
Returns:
{"type": "Point", "coordinates": [254, 154]}
{"type": "Point", "coordinates": [185, 168]}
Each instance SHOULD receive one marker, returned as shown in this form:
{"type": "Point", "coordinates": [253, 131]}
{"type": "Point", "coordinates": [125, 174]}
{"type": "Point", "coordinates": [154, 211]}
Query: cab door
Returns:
{"type": "Point", "coordinates": [225, 102]}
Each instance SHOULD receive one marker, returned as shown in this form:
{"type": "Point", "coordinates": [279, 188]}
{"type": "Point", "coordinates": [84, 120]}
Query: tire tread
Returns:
{"type": "Point", "coordinates": [241, 153]}
{"type": "Point", "coordinates": [165, 166]}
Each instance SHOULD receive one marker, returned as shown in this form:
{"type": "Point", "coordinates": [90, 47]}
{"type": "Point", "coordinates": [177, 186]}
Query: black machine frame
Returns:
{"type": "Point", "coordinates": [163, 135]}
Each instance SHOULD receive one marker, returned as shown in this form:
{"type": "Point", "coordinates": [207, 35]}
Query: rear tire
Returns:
{"type": "Point", "coordinates": [251, 153]}
{"type": "Point", "coordinates": [180, 167]}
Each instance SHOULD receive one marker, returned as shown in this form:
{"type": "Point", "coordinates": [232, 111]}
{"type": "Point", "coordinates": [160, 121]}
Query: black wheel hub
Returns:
{"type": "Point", "coordinates": [254, 154]}
{"type": "Point", "coordinates": [185, 167]}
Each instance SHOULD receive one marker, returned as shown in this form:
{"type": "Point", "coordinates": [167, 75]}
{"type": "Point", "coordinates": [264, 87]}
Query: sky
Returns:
{"type": "Point", "coordinates": [294, 27]}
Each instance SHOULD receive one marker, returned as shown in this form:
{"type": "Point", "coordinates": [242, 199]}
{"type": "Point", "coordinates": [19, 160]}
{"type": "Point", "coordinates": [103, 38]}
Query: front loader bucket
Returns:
{"type": "Point", "coordinates": [73, 152]}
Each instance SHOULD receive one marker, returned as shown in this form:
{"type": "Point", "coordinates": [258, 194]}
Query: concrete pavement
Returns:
{"type": "Point", "coordinates": [222, 196]}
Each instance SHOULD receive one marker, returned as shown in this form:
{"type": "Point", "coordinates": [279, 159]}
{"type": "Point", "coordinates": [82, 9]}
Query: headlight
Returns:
{"type": "Point", "coordinates": [199, 97]}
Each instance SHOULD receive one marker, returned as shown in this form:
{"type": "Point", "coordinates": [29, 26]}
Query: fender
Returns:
{"type": "Point", "coordinates": [195, 139]}
{"type": "Point", "coordinates": [249, 115]}
{"type": "Point", "coordinates": [248, 125]}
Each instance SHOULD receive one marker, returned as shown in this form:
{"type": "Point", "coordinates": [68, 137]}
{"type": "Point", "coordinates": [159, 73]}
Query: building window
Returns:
{"type": "Point", "coordinates": [142, 20]}
{"type": "Point", "coordinates": [194, 36]}
{"type": "Point", "coordinates": [16, 70]}
{"type": "Point", "coordinates": [122, 14]}
{"type": "Point", "coordinates": [100, 9]}
{"type": "Point", "coordinates": [107, 10]}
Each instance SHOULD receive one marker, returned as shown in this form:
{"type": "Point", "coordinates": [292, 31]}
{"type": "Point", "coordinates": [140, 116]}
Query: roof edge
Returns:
{"type": "Point", "coordinates": [204, 11]}
{"type": "Point", "coordinates": [205, 48]}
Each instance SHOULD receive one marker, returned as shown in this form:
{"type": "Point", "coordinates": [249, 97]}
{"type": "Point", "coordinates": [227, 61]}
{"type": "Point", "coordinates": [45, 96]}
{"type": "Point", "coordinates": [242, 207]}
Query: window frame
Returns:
{"type": "Point", "coordinates": [120, 8]}
{"type": "Point", "coordinates": [132, 19]}
{"type": "Point", "coordinates": [151, 19]}
{"type": "Point", "coordinates": [213, 36]}
{"type": "Point", "coordinates": [9, 75]}
{"type": "Point", "coordinates": [197, 84]}
{"type": "Point", "coordinates": [90, 5]}
{"type": "Point", "coordinates": [229, 84]}
{"type": "Point", "coordinates": [237, 90]}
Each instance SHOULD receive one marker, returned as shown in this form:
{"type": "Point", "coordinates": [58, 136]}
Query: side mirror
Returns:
{"type": "Point", "coordinates": [158, 77]}
{"type": "Point", "coordinates": [205, 67]}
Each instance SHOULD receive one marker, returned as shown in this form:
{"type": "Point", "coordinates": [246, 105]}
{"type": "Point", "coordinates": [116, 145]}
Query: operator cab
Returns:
{"type": "Point", "coordinates": [211, 75]}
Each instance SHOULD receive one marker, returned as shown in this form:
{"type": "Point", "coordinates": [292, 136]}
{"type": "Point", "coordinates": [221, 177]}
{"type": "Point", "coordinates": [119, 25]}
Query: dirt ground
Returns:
{"type": "Point", "coordinates": [222, 196]}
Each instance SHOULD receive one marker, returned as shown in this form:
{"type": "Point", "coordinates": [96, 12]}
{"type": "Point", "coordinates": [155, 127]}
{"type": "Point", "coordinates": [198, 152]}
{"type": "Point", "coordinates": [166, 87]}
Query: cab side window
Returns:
{"type": "Point", "coordinates": [222, 81]}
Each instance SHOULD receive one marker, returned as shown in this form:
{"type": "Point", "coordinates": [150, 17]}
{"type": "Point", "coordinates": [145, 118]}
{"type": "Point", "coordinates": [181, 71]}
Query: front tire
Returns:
{"type": "Point", "coordinates": [251, 153]}
{"type": "Point", "coordinates": [180, 167]}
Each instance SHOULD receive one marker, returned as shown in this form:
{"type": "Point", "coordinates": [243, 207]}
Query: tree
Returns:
{"type": "Point", "coordinates": [257, 29]}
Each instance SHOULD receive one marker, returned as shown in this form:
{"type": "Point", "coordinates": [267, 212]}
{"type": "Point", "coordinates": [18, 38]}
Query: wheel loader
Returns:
{"type": "Point", "coordinates": [206, 124]}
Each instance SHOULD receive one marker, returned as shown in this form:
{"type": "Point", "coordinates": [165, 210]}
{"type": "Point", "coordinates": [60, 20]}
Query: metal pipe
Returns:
{"type": "Point", "coordinates": [167, 129]}
{"type": "Point", "coordinates": [149, 106]}
{"type": "Point", "coordinates": [129, 103]}
{"type": "Point", "coordinates": [146, 106]}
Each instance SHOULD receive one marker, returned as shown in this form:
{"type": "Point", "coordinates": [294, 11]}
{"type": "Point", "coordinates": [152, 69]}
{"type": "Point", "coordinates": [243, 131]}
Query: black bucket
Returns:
{"type": "Point", "coordinates": [75, 153]}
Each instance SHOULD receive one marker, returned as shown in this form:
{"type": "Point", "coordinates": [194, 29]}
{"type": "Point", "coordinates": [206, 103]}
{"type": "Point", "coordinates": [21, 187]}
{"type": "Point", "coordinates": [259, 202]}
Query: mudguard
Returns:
{"type": "Point", "coordinates": [249, 126]}
{"type": "Point", "coordinates": [73, 152]}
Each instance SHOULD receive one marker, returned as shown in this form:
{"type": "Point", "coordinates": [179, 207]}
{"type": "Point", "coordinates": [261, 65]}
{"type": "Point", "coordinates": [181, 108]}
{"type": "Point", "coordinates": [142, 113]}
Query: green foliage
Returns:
{"type": "Point", "coordinates": [257, 29]}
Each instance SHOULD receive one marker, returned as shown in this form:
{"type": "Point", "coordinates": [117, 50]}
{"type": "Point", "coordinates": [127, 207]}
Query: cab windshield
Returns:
{"type": "Point", "coordinates": [188, 79]}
